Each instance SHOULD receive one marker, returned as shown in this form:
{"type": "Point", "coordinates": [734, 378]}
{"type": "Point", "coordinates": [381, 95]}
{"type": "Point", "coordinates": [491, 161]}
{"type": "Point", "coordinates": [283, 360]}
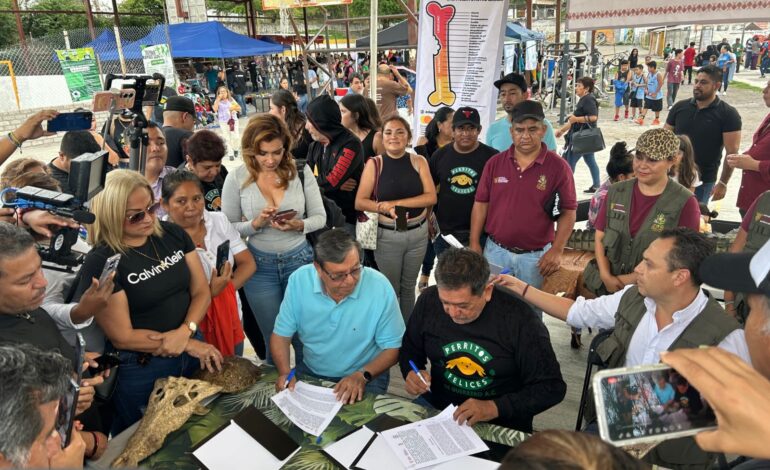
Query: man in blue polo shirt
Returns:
{"type": "Point", "coordinates": [347, 318]}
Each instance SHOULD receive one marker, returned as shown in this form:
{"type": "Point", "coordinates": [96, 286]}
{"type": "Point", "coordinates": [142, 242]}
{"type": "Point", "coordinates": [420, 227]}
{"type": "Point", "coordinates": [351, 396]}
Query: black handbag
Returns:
{"type": "Point", "coordinates": [587, 140]}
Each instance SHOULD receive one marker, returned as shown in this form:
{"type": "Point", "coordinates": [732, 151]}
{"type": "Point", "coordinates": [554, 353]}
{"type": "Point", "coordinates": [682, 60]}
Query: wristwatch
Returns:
{"type": "Point", "coordinates": [193, 328]}
{"type": "Point", "coordinates": [367, 376]}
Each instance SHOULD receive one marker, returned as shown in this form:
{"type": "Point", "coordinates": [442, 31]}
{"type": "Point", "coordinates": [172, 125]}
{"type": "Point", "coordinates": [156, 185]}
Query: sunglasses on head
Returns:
{"type": "Point", "coordinates": [139, 216]}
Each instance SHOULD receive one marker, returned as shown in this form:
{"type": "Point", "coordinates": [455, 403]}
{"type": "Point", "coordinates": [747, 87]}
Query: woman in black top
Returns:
{"type": "Point", "coordinates": [403, 186]}
{"type": "Point", "coordinates": [633, 58]}
{"type": "Point", "coordinates": [438, 132]}
{"type": "Point", "coordinates": [361, 118]}
{"type": "Point", "coordinates": [283, 105]}
{"type": "Point", "coordinates": [160, 295]}
{"type": "Point", "coordinates": [586, 113]}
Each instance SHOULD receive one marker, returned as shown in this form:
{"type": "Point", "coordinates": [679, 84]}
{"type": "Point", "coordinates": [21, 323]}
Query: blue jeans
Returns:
{"type": "Point", "coordinates": [378, 385]}
{"type": "Point", "coordinates": [302, 103]}
{"type": "Point", "coordinates": [265, 289]}
{"type": "Point", "coordinates": [703, 192]}
{"type": "Point", "coordinates": [135, 383]}
{"type": "Point", "coordinates": [242, 103]}
{"type": "Point", "coordinates": [523, 266]}
{"type": "Point", "coordinates": [590, 160]}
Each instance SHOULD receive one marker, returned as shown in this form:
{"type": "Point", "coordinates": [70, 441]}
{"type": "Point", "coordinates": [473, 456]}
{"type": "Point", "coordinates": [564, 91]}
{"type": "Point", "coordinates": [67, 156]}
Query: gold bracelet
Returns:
{"type": "Point", "coordinates": [14, 140]}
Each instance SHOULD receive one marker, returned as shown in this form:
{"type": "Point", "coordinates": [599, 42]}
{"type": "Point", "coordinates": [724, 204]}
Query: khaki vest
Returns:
{"type": "Point", "coordinates": [708, 328]}
{"type": "Point", "coordinates": [759, 229]}
{"type": "Point", "coordinates": [623, 251]}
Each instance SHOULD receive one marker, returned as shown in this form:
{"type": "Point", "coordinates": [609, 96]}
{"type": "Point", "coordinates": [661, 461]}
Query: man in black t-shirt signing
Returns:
{"type": "Point", "coordinates": [178, 124]}
{"type": "Point", "coordinates": [712, 125]}
{"type": "Point", "coordinates": [489, 352]}
{"type": "Point", "coordinates": [456, 171]}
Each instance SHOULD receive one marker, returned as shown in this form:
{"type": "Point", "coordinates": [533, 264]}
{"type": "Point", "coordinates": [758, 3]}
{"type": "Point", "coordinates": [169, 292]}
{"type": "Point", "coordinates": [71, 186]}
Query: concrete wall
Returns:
{"type": "Point", "coordinates": [36, 91]}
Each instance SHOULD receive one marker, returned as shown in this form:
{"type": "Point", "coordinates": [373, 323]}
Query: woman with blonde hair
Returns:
{"type": "Point", "coordinates": [267, 203]}
{"type": "Point", "coordinates": [160, 296]}
{"type": "Point", "coordinates": [227, 110]}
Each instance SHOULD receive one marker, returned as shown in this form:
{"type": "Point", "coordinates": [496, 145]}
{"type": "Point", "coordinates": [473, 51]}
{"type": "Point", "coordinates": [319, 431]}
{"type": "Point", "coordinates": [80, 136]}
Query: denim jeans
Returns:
{"type": "Point", "coordinates": [378, 385]}
{"type": "Point", "coordinates": [590, 160]}
{"type": "Point", "coordinates": [242, 103]}
{"type": "Point", "coordinates": [399, 256]}
{"type": "Point", "coordinates": [672, 89]}
{"type": "Point", "coordinates": [265, 289]}
{"type": "Point", "coordinates": [703, 192]}
{"type": "Point", "coordinates": [302, 103]}
{"type": "Point", "coordinates": [136, 381]}
{"type": "Point", "coordinates": [523, 266]}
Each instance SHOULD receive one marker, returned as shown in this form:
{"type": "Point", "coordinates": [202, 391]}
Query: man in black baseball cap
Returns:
{"type": "Point", "coordinates": [178, 123]}
{"type": "Point", "coordinates": [513, 90]}
{"type": "Point", "coordinates": [457, 169]}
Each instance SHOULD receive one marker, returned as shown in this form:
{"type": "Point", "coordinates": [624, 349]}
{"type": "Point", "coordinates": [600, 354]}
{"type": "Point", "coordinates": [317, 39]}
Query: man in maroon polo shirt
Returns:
{"type": "Point", "coordinates": [522, 191]}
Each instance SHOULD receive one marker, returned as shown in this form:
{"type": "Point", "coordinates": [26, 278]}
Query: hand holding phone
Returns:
{"type": "Point", "coordinates": [76, 121]}
{"type": "Point", "coordinates": [223, 254]}
{"type": "Point", "coordinates": [105, 362]}
{"type": "Point", "coordinates": [110, 266]}
{"type": "Point", "coordinates": [280, 217]}
{"type": "Point", "coordinates": [401, 219]}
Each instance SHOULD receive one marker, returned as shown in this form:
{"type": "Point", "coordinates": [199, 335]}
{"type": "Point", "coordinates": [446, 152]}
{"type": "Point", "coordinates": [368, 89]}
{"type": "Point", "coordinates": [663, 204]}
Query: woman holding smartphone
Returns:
{"type": "Point", "coordinates": [404, 189]}
{"type": "Point", "coordinates": [184, 202]}
{"type": "Point", "coordinates": [265, 185]}
{"type": "Point", "coordinates": [160, 293]}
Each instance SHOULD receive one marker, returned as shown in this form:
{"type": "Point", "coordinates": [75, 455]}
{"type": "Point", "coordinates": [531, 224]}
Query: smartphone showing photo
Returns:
{"type": "Point", "coordinates": [648, 403]}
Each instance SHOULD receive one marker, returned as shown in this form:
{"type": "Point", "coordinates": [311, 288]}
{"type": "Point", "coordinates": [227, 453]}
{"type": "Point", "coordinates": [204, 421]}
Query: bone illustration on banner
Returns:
{"type": "Point", "coordinates": [442, 93]}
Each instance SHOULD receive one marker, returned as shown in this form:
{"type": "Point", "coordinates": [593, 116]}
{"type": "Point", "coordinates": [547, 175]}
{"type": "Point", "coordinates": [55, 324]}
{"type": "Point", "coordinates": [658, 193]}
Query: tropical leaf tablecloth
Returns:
{"type": "Point", "coordinates": [176, 451]}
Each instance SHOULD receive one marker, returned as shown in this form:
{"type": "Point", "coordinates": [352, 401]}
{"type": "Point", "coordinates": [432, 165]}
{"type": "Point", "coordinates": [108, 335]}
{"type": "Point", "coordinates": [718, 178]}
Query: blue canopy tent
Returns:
{"type": "Point", "coordinates": [270, 40]}
{"type": "Point", "coordinates": [104, 42]}
{"type": "Point", "coordinates": [197, 40]}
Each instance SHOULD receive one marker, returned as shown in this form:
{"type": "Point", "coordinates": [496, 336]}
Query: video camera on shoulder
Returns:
{"type": "Point", "coordinates": [87, 177]}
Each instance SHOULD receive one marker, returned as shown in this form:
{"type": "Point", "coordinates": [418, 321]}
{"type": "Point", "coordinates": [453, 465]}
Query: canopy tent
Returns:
{"type": "Point", "coordinates": [270, 40]}
{"type": "Point", "coordinates": [103, 43]}
{"type": "Point", "coordinates": [515, 30]}
{"type": "Point", "coordinates": [584, 15]}
{"type": "Point", "coordinates": [395, 36]}
{"type": "Point", "coordinates": [203, 40]}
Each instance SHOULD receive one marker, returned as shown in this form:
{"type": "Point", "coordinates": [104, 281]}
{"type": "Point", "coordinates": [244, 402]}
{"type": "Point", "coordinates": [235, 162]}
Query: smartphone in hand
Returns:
{"type": "Point", "coordinates": [283, 216]}
{"type": "Point", "coordinates": [401, 219]}
{"type": "Point", "coordinates": [223, 254]}
{"type": "Point", "coordinates": [110, 266]}
{"type": "Point", "coordinates": [77, 121]}
{"type": "Point", "coordinates": [68, 403]}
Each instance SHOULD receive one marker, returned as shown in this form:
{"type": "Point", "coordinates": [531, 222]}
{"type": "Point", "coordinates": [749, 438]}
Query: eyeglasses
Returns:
{"type": "Point", "coordinates": [139, 216]}
{"type": "Point", "coordinates": [339, 277]}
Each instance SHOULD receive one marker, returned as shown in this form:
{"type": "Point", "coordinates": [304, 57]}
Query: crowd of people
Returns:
{"type": "Point", "coordinates": [316, 184]}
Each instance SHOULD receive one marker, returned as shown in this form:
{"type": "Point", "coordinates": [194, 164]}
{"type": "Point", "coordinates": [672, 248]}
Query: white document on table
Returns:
{"type": "Point", "coordinates": [346, 450]}
{"type": "Point", "coordinates": [310, 407]}
{"type": "Point", "coordinates": [433, 441]}
{"type": "Point", "coordinates": [234, 449]}
{"type": "Point", "coordinates": [379, 456]}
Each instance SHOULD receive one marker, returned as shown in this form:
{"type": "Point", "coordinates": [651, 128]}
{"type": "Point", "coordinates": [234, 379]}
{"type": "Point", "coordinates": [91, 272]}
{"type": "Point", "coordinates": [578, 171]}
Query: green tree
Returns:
{"type": "Point", "coordinates": [148, 7]}
{"type": "Point", "coordinates": [43, 24]}
{"type": "Point", "coordinates": [8, 34]}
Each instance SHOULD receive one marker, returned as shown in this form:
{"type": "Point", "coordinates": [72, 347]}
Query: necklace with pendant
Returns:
{"type": "Point", "coordinates": [163, 264]}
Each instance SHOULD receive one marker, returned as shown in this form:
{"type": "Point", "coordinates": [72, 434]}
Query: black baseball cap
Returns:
{"type": "Point", "coordinates": [466, 115]}
{"type": "Point", "coordinates": [747, 273]}
{"type": "Point", "coordinates": [527, 109]}
{"type": "Point", "coordinates": [514, 79]}
{"type": "Point", "coordinates": [180, 103]}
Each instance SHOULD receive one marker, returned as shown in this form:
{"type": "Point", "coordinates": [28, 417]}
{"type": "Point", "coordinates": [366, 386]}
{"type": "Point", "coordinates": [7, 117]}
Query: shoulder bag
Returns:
{"type": "Point", "coordinates": [366, 225]}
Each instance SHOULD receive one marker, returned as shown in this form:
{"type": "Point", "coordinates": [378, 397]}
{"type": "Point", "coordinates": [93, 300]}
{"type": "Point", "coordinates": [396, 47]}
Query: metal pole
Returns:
{"type": "Point", "coordinates": [115, 14]}
{"type": "Point", "coordinates": [564, 75]}
{"type": "Point", "coordinates": [19, 27]}
{"type": "Point", "coordinates": [66, 39]}
{"type": "Point", "coordinates": [557, 39]}
{"type": "Point", "coordinates": [347, 24]}
{"type": "Point", "coordinates": [374, 5]}
{"type": "Point", "coordinates": [90, 18]}
{"type": "Point", "coordinates": [120, 49]}
{"type": "Point", "coordinates": [529, 14]}
{"type": "Point", "coordinates": [304, 20]}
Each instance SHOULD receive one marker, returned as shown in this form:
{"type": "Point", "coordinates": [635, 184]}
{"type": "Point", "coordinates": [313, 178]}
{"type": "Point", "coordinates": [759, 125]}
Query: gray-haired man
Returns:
{"type": "Point", "coordinates": [346, 317]}
{"type": "Point", "coordinates": [31, 383]}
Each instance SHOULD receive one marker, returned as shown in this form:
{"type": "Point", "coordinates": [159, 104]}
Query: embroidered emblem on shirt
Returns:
{"type": "Point", "coordinates": [461, 180]}
{"type": "Point", "coordinates": [542, 181]}
{"type": "Point", "coordinates": [617, 207]}
{"type": "Point", "coordinates": [500, 179]}
{"type": "Point", "coordinates": [658, 223]}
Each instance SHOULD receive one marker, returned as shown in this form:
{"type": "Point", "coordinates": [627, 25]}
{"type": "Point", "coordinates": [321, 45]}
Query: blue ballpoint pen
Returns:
{"type": "Point", "coordinates": [505, 271]}
{"type": "Point", "coordinates": [288, 378]}
{"type": "Point", "coordinates": [417, 371]}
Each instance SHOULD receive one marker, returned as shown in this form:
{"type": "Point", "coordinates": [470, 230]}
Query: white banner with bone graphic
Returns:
{"type": "Point", "coordinates": [459, 54]}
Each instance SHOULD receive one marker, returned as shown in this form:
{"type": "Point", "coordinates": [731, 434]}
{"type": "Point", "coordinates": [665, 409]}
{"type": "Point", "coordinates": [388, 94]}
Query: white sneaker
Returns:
{"type": "Point", "coordinates": [669, 108]}
{"type": "Point", "coordinates": [724, 93]}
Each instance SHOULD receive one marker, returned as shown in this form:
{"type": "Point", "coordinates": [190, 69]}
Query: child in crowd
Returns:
{"type": "Point", "coordinates": [622, 92]}
{"type": "Point", "coordinates": [227, 110]}
{"type": "Point", "coordinates": [653, 96]}
{"type": "Point", "coordinates": [637, 85]}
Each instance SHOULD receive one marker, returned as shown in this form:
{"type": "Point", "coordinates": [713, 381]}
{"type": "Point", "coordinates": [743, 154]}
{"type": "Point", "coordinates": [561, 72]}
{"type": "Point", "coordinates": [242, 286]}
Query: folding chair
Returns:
{"type": "Point", "coordinates": [593, 360]}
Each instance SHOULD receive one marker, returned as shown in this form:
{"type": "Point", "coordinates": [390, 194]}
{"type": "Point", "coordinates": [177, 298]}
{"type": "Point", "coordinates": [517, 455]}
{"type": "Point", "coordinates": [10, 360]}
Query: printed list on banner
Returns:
{"type": "Point", "coordinates": [459, 51]}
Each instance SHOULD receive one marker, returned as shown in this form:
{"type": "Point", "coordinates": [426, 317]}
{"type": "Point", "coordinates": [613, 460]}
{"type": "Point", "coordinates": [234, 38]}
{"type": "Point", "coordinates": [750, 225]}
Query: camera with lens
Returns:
{"type": "Point", "coordinates": [87, 176]}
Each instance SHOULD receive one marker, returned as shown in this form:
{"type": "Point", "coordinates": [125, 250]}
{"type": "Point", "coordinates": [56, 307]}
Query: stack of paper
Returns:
{"type": "Point", "coordinates": [310, 407]}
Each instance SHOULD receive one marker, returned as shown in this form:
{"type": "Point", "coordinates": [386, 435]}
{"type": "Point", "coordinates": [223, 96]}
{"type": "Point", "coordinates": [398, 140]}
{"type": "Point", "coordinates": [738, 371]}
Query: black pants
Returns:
{"type": "Point", "coordinates": [688, 72]}
{"type": "Point", "coordinates": [250, 327]}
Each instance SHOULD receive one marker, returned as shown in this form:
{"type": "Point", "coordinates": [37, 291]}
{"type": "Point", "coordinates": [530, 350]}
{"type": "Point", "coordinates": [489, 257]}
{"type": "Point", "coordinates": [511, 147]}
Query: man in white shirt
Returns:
{"type": "Point", "coordinates": [665, 310]}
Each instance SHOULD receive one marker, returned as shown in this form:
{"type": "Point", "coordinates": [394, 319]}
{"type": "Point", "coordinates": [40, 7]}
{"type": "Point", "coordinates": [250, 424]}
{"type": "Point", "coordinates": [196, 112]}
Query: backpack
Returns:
{"type": "Point", "coordinates": [334, 216]}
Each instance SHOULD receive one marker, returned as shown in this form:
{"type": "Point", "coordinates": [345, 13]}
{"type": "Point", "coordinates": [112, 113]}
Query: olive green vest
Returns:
{"type": "Point", "coordinates": [708, 328]}
{"type": "Point", "coordinates": [623, 251]}
{"type": "Point", "coordinates": [756, 236]}
{"type": "Point", "coordinates": [759, 229]}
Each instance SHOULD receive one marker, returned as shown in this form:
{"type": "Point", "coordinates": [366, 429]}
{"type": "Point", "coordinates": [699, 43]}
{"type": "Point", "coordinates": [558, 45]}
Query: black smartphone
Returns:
{"type": "Point", "coordinates": [68, 403]}
{"type": "Point", "coordinates": [648, 403]}
{"type": "Point", "coordinates": [223, 254]}
{"type": "Point", "coordinates": [401, 222]}
{"type": "Point", "coordinates": [281, 216]}
{"type": "Point", "coordinates": [77, 121]}
{"type": "Point", "coordinates": [105, 361]}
